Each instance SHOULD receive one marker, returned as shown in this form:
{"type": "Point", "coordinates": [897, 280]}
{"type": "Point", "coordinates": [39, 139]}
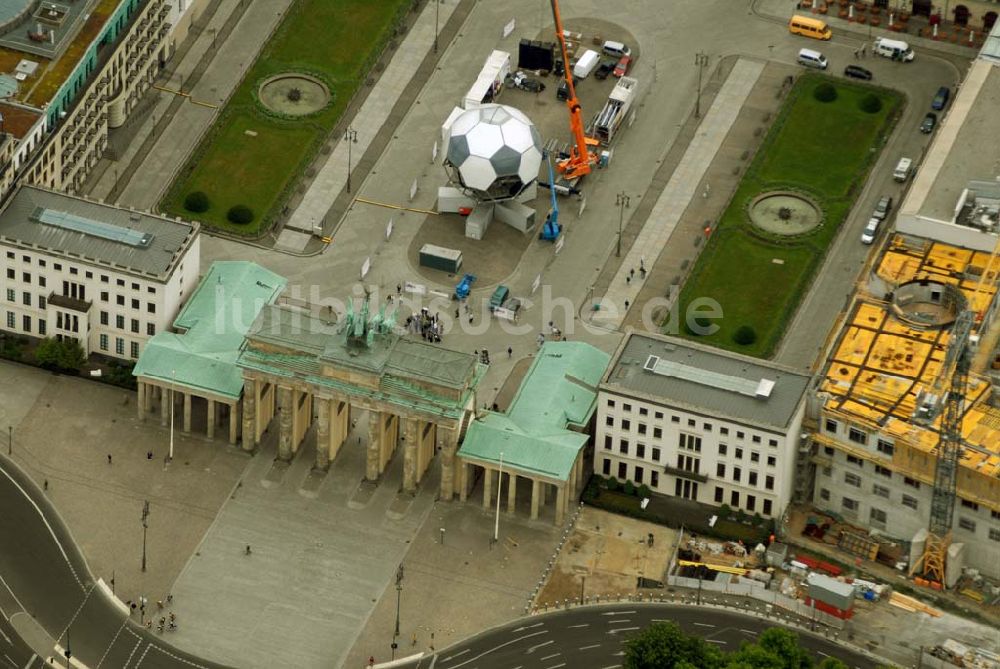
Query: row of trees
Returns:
{"type": "Point", "coordinates": [664, 646]}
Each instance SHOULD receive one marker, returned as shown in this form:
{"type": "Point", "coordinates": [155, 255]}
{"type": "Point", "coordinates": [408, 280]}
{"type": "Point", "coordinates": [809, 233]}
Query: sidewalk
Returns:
{"type": "Point", "coordinates": [680, 190]}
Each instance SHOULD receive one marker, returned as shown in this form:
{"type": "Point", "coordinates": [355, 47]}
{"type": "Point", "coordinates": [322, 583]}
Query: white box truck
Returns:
{"type": "Point", "coordinates": [893, 48]}
{"type": "Point", "coordinates": [490, 81]}
{"type": "Point", "coordinates": [586, 64]}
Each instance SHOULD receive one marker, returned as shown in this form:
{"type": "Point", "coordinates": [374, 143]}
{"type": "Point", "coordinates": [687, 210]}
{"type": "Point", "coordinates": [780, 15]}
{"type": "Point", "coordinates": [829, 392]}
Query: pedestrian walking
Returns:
{"type": "Point", "coordinates": [109, 458]}
{"type": "Point", "coordinates": [628, 279]}
{"type": "Point", "coordinates": [457, 313]}
{"type": "Point", "coordinates": [642, 273]}
{"type": "Point", "coordinates": [642, 263]}
{"type": "Point", "coordinates": [470, 318]}
{"type": "Point", "coordinates": [626, 304]}
{"type": "Point", "coordinates": [631, 273]}
{"type": "Point", "coordinates": [399, 289]}
{"type": "Point", "coordinates": [45, 485]}
{"type": "Point", "coordinates": [149, 455]}
{"type": "Point", "coordinates": [247, 549]}
{"type": "Point", "coordinates": [510, 352]}
{"type": "Point", "coordinates": [170, 598]}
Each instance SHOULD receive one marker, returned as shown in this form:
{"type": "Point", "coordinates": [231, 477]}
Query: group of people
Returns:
{"type": "Point", "coordinates": [166, 622]}
{"type": "Point", "coordinates": [427, 325]}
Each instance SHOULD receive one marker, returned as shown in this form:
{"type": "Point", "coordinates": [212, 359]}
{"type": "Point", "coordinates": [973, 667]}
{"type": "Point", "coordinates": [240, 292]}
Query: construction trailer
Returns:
{"type": "Point", "coordinates": [438, 257]}
{"type": "Point", "coordinates": [616, 109]}
{"type": "Point", "coordinates": [490, 81]}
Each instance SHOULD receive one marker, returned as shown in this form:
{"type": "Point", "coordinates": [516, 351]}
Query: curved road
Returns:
{"type": "Point", "coordinates": [49, 599]}
{"type": "Point", "coordinates": [591, 637]}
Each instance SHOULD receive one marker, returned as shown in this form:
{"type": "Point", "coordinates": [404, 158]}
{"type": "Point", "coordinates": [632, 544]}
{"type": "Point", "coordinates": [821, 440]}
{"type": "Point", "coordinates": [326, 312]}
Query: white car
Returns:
{"type": "Point", "coordinates": [868, 236]}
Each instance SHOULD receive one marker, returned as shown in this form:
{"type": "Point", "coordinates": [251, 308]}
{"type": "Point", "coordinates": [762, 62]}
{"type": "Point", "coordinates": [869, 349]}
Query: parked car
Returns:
{"type": "Point", "coordinates": [930, 120]}
{"type": "Point", "coordinates": [857, 72]}
{"type": "Point", "coordinates": [941, 99]}
{"type": "Point", "coordinates": [604, 69]}
{"type": "Point", "coordinates": [868, 236]}
{"type": "Point", "coordinates": [526, 83]}
{"type": "Point", "coordinates": [562, 93]}
{"type": "Point", "coordinates": [883, 208]}
{"type": "Point", "coordinates": [621, 69]}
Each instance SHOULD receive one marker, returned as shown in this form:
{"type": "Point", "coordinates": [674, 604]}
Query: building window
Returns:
{"type": "Point", "coordinates": [104, 296]}
{"type": "Point", "coordinates": [120, 300]}
{"type": "Point", "coordinates": [41, 281]}
{"type": "Point", "coordinates": [883, 471]}
{"type": "Point", "coordinates": [119, 346]}
{"type": "Point", "coordinates": [724, 431]}
{"type": "Point", "coordinates": [827, 471]}
{"type": "Point", "coordinates": [26, 323]}
{"type": "Point", "coordinates": [910, 502]}
{"type": "Point", "coordinates": [852, 479]}
{"type": "Point", "coordinates": [739, 453]}
{"type": "Point", "coordinates": [720, 470]}
{"type": "Point", "coordinates": [737, 472]}
{"type": "Point", "coordinates": [772, 442]}
{"type": "Point", "coordinates": [611, 403]}
{"type": "Point", "coordinates": [608, 442]}
{"type": "Point", "coordinates": [41, 327]}
{"type": "Point", "coordinates": [74, 270]}
{"type": "Point", "coordinates": [656, 454]}
{"type": "Point", "coordinates": [658, 415]}
{"type": "Point", "coordinates": [626, 407]}
{"type": "Point", "coordinates": [913, 483]}
{"type": "Point", "coordinates": [11, 295]}
{"type": "Point", "coordinates": [751, 503]}
{"type": "Point", "coordinates": [995, 515]}
{"type": "Point", "coordinates": [675, 419]}
{"type": "Point", "coordinates": [754, 456]}
{"type": "Point", "coordinates": [769, 482]}
{"type": "Point", "coordinates": [134, 349]}
{"type": "Point", "coordinates": [657, 433]}
{"type": "Point", "coordinates": [722, 449]}
{"type": "Point", "coordinates": [57, 267]}
{"type": "Point", "coordinates": [643, 411]}
{"type": "Point", "coordinates": [120, 322]}
{"type": "Point", "coordinates": [120, 283]}
{"type": "Point", "coordinates": [855, 461]}
{"type": "Point", "coordinates": [824, 494]}
{"type": "Point", "coordinates": [606, 467]}
{"type": "Point", "coordinates": [626, 424]}
{"type": "Point", "coordinates": [135, 286]}
{"type": "Point", "coordinates": [640, 450]}
{"type": "Point", "coordinates": [967, 524]}
{"type": "Point", "coordinates": [654, 478]}
{"type": "Point", "coordinates": [707, 427]}
{"type": "Point", "coordinates": [771, 461]}
{"type": "Point", "coordinates": [135, 325]}
{"type": "Point", "coordinates": [752, 478]}
{"type": "Point", "coordinates": [623, 447]}
{"type": "Point", "coordinates": [849, 504]}
{"type": "Point", "coordinates": [739, 435]}
{"type": "Point", "coordinates": [994, 534]}
{"type": "Point", "coordinates": [622, 470]}
{"type": "Point", "coordinates": [642, 428]}
{"type": "Point", "coordinates": [734, 499]}
{"type": "Point", "coordinates": [104, 278]}
{"type": "Point", "coordinates": [103, 342]}
{"type": "Point", "coordinates": [690, 442]}
{"type": "Point", "coordinates": [767, 507]}
{"type": "Point", "coordinates": [970, 505]}
{"type": "Point", "coordinates": [135, 304]}
{"type": "Point", "coordinates": [26, 299]}
{"type": "Point", "coordinates": [104, 318]}
{"type": "Point", "coordinates": [26, 277]}
{"type": "Point", "coordinates": [609, 421]}
{"type": "Point", "coordinates": [11, 319]}
{"type": "Point", "coordinates": [880, 491]}
{"type": "Point", "coordinates": [877, 517]}
{"type": "Point", "coordinates": [691, 422]}
{"type": "Point", "coordinates": [719, 492]}
{"type": "Point", "coordinates": [828, 450]}
{"type": "Point", "coordinates": [857, 436]}
{"type": "Point", "coordinates": [89, 275]}
{"type": "Point", "coordinates": [638, 474]}
{"type": "Point", "coordinates": [885, 447]}
{"type": "Point", "coordinates": [755, 439]}
{"type": "Point", "coordinates": [11, 274]}
{"type": "Point", "coordinates": [11, 255]}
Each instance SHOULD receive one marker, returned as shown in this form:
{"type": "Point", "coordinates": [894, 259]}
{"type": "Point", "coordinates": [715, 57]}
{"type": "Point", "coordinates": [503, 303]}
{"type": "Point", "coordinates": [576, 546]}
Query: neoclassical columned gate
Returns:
{"type": "Point", "coordinates": [302, 370]}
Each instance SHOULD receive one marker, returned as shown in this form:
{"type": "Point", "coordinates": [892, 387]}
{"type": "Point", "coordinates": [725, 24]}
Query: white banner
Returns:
{"type": "Point", "coordinates": [536, 283]}
{"type": "Point", "coordinates": [365, 266]}
{"type": "Point", "coordinates": [388, 229]}
{"type": "Point", "coordinates": [413, 190]}
{"type": "Point", "coordinates": [560, 242]}
{"type": "Point", "coordinates": [434, 153]}
{"type": "Point", "coordinates": [415, 288]}
{"type": "Point", "coordinates": [504, 313]}
{"type": "Point", "coordinates": [509, 28]}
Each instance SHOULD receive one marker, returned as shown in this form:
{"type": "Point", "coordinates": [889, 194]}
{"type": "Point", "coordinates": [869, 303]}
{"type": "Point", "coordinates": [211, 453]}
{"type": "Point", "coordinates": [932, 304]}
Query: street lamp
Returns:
{"type": "Point", "coordinates": [399, 593]}
{"type": "Point", "coordinates": [437, 11]}
{"type": "Point", "coordinates": [621, 201]}
{"type": "Point", "coordinates": [145, 526]}
{"type": "Point", "coordinates": [173, 382]}
{"type": "Point", "coordinates": [351, 137]}
{"type": "Point", "coordinates": [700, 61]}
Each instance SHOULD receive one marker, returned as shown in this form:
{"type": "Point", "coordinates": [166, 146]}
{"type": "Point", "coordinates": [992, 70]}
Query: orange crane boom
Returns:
{"type": "Point", "coordinates": [580, 159]}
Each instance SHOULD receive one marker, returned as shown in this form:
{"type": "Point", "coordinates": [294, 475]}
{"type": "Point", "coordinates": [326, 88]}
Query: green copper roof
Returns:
{"type": "Point", "coordinates": [558, 393]}
{"type": "Point", "coordinates": [212, 326]}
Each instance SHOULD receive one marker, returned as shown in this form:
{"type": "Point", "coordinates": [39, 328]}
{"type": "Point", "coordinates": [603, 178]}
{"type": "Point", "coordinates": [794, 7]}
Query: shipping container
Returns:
{"type": "Point", "coordinates": [438, 257]}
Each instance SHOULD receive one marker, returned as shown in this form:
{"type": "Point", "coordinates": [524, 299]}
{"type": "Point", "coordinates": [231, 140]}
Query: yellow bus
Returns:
{"type": "Point", "coordinates": [815, 28]}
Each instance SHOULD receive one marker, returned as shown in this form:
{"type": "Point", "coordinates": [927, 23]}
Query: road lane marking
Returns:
{"type": "Point", "coordinates": [750, 632]}
{"type": "Point", "coordinates": [51, 531]}
{"type": "Point", "coordinates": [612, 666]}
{"type": "Point", "coordinates": [449, 659]}
{"type": "Point", "coordinates": [16, 600]}
{"type": "Point", "coordinates": [594, 645]}
{"type": "Point", "coordinates": [718, 641]}
{"type": "Point", "coordinates": [556, 666]}
{"type": "Point", "coordinates": [549, 657]}
{"type": "Point", "coordinates": [703, 625]}
{"type": "Point", "coordinates": [528, 627]}
{"type": "Point", "coordinates": [4, 635]}
{"type": "Point", "coordinates": [619, 620]}
{"type": "Point", "coordinates": [538, 645]}
{"type": "Point", "coordinates": [617, 613]}
{"type": "Point", "coordinates": [580, 625]}
{"type": "Point", "coordinates": [622, 629]}
{"type": "Point", "coordinates": [822, 653]}
{"type": "Point", "coordinates": [505, 643]}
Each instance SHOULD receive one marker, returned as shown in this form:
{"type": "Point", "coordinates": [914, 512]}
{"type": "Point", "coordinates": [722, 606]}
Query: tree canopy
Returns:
{"type": "Point", "coordinates": [664, 646]}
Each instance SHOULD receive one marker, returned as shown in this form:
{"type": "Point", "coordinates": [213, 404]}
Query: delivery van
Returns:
{"type": "Point", "coordinates": [903, 169]}
{"type": "Point", "coordinates": [809, 27]}
{"type": "Point", "coordinates": [811, 58]}
{"type": "Point", "coordinates": [893, 48]}
{"type": "Point", "coordinates": [588, 61]}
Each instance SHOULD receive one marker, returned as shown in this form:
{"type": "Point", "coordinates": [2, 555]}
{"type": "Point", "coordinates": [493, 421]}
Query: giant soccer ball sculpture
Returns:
{"type": "Point", "coordinates": [494, 153]}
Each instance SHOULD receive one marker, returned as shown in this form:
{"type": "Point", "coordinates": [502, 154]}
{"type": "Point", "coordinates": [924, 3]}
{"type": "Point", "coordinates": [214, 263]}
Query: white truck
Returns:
{"type": "Point", "coordinates": [609, 120]}
{"type": "Point", "coordinates": [586, 64]}
{"type": "Point", "coordinates": [490, 81]}
{"type": "Point", "coordinates": [892, 48]}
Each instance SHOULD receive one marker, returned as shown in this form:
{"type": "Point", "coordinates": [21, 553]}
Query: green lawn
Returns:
{"type": "Point", "coordinates": [823, 149]}
{"type": "Point", "coordinates": [335, 39]}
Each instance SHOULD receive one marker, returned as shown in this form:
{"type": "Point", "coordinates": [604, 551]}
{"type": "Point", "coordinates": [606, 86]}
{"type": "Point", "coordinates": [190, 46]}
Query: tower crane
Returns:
{"type": "Point", "coordinates": [580, 158]}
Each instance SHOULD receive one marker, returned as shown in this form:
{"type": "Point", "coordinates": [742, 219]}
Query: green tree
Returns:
{"type": "Point", "coordinates": [240, 214]}
{"type": "Point", "coordinates": [197, 202]}
{"type": "Point", "coordinates": [66, 355]}
{"type": "Point", "coordinates": [664, 646]}
{"type": "Point", "coordinates": [825, 92]}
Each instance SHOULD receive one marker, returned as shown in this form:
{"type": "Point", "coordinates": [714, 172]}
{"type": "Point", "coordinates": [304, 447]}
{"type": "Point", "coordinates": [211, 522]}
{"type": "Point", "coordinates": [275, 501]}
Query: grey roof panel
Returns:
{"type": "Point", "coordinates": [95, 233]}
{"type": "Point", "coordinates": [629, 373]}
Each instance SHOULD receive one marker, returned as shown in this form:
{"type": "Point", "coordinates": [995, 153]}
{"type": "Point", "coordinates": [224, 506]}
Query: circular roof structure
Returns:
{"type": "Point", "coordinates": [494, 152]}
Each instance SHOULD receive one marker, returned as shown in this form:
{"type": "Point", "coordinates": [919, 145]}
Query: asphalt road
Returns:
{"type": "Point", "coordinates": [591, 638]}
{"type": "Point", "coordinates": [49, 600]}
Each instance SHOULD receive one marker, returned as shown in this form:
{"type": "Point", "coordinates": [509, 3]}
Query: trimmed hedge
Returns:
{"type": "Point", "coordinates": [197, 202]}
{"type": "Point", "coordinates": [240, 215]}
{"type": "Point", "coordinates": [745, 335]}
{"type": "Point", "coordinates": [825, 92]}
{"type": "Point", "coordinates": [870, 104]}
